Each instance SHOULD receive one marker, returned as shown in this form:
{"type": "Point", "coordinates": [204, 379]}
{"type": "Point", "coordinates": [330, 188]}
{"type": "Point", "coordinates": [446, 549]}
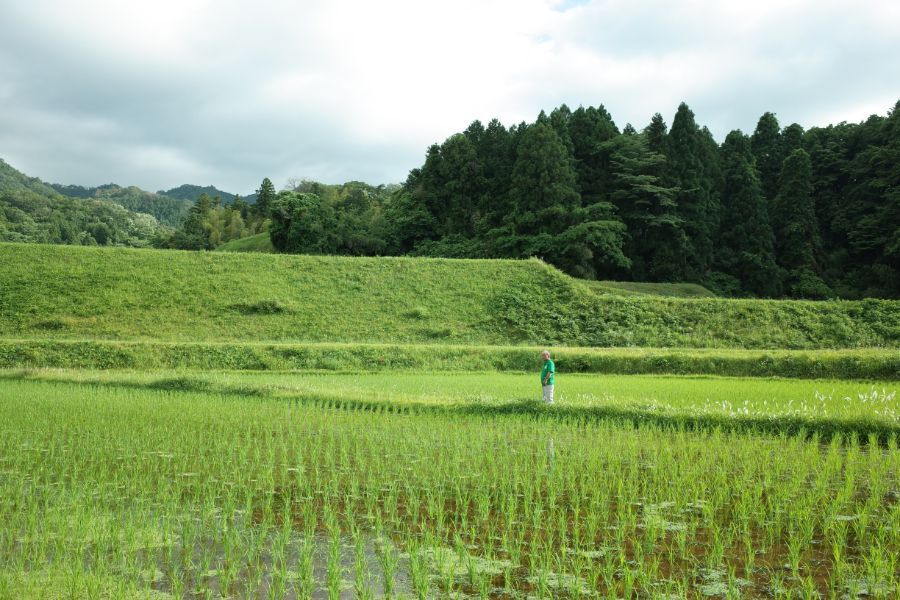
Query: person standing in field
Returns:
{"type": "Point", "coordinates": [547, 373]}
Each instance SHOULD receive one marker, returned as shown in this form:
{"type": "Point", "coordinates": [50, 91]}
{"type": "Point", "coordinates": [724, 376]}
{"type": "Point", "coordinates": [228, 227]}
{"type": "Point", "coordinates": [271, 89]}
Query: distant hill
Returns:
{"type": "Point", "coordinates": [12, 180]}
{"type": "Point", "coordinates": [192, 192]}
{"type": "Point", "coordinates": [34, 212]}
{"type": "Point", "coordinates": [170, 207]}
{"type": "Point", "coordinates": [169, 211]}
{"type": "Point", "coordinates": [79, 191]}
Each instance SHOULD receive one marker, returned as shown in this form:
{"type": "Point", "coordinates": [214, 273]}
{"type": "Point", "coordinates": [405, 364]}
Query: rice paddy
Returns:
{"type": "Point", "coordinates": [247, 485]}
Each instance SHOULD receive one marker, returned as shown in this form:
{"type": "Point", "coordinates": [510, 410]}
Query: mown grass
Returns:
{"type": "Point", "coordinates": [211, 495]}
{"type": "Point", "coordinates": [62, 292]}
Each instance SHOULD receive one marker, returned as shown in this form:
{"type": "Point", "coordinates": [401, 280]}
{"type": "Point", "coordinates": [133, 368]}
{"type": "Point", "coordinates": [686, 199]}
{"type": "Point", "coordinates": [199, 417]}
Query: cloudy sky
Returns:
{"type": "Point", "coordinates": [226, 92]}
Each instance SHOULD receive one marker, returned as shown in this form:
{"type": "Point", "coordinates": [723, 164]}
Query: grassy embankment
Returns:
{"type": "Point", "coordinates": [71, 306]}
{"type": "Point", "coordinates": [262, 243]}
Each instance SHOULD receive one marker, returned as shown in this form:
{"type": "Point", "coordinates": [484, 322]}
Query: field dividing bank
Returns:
{"type": "Point", "coordinates": [140, 493]}
{"type": "Point", "coordinates": [825, 408]}
{"type": "Point", "coordinates": [870, 363]}
{"type": "Point", "coordinates": [69, 292]}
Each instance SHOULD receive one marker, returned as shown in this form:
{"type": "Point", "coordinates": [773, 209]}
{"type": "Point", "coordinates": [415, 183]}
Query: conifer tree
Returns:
{"type": "Point", "coordinates": [589, 129]}
{"type": "Point", "coordinates": [797, 243]}
{"type": "Point", "coordinates": [265, 196]}
{"type": "Point", "coordinates": [746, 242]}
{"type": "Point", "coordinates": [656, 241]}
{"type": "Point", "coordinates": [543, 182]}
{"type": "Point", "coordinates": [766, 146]}
{"type": "Point", "coordinates": [696, 206]}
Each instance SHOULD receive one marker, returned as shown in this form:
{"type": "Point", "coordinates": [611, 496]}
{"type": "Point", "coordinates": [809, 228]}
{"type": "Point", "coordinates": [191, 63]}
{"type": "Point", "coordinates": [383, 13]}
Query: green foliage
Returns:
{"type": "Point", "coordinates": [33, 212]}
{"type": "Point", "coordinates": [302, 223]}
{"type": "Point", "coordinates": [209, 224]}
{"type": "Point", "coordinates": [12, 180]}
{"type": "Point", "coordinates": [28, 217]}
{"type": "Point", "coordinates": [169, 210]}
{"type": "Point", "coordinates": [656, 239]}
{"type": "Point", "coordinates": [682, 212]}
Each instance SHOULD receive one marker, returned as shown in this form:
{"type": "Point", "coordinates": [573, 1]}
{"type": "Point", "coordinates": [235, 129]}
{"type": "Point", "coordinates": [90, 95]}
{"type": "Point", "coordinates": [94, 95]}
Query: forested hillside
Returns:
{"type": "Point", "coordinates": [780, 212]}
{"type": "Point", "coordinates": [31, 211]}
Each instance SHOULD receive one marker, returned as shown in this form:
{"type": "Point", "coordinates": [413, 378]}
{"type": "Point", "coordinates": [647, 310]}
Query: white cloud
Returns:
{"type": "Point", "coordinates": [227, 92]}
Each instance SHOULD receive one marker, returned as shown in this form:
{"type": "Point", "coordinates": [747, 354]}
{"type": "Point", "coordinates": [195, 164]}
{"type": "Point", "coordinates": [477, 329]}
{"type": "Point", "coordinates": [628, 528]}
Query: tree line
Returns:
{"type": "Point", "coordinates": [782, 212]}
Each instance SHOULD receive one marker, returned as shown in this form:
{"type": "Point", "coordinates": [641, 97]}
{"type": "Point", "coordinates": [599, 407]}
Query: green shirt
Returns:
{"type": "Point", "coordinates": [549, 367]}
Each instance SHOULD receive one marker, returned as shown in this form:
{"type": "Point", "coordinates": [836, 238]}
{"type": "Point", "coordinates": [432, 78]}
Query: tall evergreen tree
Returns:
{"type": "Point", "coordinates": [656, 134]}
{"type": "Point", "coordinates": [697, 207]}
{"type": "Point", "coordinates": [655, 241]}
{"type": "Point", "coordinates": [543, 183]}
{"type": "Point", "coordinates": [797, 242]}
{"type": "Point", "coordinates": [746, 242]}
{"type": "Point", "coordinates": [870, 214]}
{"type": "Point", "coordinates": [791, 138]}
{"type": "Point", "coordinates": [560, 117]}
{"type": "Point", "coordinates": [453, 186]}
{"type": "Point", "coordinates": [550, 221]}
{"type": "Point", "coordinates": [265, 196]}
{"type": "Point", "coordinates": [767, 149]}
{"type": "Point", "coordinates": [590, 129]}
{"type": "Point", "coordinates": [496, 155]}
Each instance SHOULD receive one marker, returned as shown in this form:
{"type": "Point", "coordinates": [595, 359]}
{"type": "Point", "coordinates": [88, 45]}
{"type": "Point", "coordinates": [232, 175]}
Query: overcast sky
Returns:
{"type": "Point", "coordinates": [226, 92]}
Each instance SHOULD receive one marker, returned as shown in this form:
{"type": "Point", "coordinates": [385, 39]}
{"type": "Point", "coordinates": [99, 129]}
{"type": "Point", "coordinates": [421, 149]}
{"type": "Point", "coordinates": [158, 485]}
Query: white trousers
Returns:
{"type": "Point", "coordinates": [548, 393]}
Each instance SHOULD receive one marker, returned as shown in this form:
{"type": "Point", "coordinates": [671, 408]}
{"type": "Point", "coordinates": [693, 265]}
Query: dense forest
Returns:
{"type": "Point", "coordinates": [169, 210]}
{"type": "Point", "coordinates": [31, 211]}
{"type": "Point", "coordinates": [782, 212]}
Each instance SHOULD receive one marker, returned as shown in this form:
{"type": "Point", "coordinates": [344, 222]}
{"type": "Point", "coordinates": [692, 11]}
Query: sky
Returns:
{"type": "Point", "coordinates": [226, 92]}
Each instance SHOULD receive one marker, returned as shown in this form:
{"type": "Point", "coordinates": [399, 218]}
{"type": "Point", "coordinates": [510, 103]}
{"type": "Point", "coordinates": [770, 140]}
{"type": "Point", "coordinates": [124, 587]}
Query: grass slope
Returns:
{"type": "Point", "coordinates": [57, 292]}
{"type": "Point", "coordinates": [261, 242]}
{"type": "Point", "coordinates": [631, 288]}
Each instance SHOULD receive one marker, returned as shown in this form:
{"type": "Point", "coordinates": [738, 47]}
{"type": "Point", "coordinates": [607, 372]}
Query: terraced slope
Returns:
{"type": "Point", "coordinates": [64, 292]}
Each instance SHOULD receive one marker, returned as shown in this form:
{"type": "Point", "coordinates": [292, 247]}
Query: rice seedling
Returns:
{"type": "Point", "coordinates": [120, 490]}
